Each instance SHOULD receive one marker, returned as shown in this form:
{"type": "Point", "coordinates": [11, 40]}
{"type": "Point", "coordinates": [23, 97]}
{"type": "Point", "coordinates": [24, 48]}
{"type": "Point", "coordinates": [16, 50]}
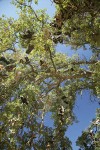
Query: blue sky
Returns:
{"type": "Point", "coordinates": [84, 109]}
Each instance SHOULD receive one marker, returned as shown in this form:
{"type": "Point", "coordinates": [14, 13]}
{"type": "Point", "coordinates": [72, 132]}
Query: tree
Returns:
{"type": "Point", "coordinates": [36, 79]}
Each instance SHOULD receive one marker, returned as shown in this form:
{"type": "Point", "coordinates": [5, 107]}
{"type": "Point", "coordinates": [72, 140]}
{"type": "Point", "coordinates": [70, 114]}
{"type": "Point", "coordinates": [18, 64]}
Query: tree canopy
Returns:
{"type": "Point", "coordinates": [36, 79]}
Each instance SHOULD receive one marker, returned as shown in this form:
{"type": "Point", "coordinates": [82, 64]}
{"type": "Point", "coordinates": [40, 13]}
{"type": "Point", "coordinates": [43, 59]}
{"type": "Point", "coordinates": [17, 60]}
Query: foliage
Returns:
{"type": "Point", "coordinates": [36, 79]}
{"type": "Point", "coordinates": [90, 139]}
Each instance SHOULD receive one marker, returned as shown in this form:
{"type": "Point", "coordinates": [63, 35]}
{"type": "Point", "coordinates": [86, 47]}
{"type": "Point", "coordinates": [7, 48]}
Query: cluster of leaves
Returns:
{"type": "Point", "coordinates": [36, 79]}
{"type": "Point", "coordinates": [90, 139]}
{"type": "Point", "coordinates": [79, 21]}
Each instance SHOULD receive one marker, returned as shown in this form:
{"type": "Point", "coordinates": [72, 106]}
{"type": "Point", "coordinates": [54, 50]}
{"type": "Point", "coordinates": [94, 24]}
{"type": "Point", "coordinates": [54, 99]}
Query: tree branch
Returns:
{"type": "Point", "coordinates": [79, 63]}
{"type": "Point", "coordinates": [52, 61]}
